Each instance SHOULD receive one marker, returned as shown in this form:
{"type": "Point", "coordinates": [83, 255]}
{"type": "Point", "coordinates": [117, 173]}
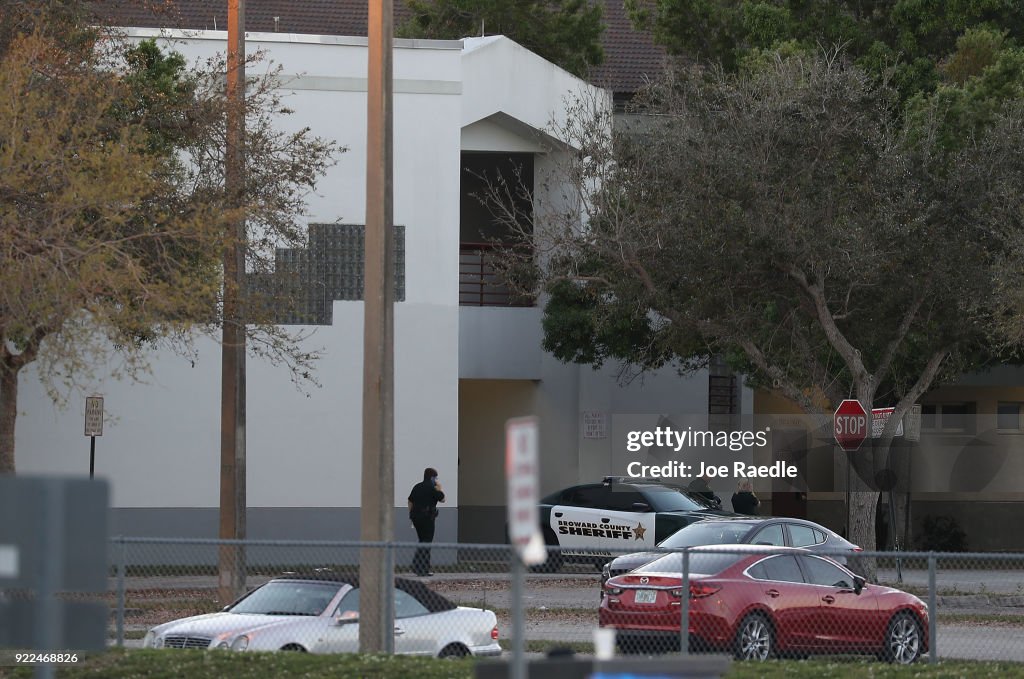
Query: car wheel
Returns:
{"type": "Point", "coordinates": [903, 639]}
{"type": "Point", "coordinates": [293, 647]}
{"type": "Point", "coordinates": [453, 651]}
{"type": "Point", "coordinates": [755, 639]}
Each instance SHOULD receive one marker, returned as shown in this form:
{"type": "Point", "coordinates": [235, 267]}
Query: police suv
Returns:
{"type": "Point", "coordinates": [591, 521]}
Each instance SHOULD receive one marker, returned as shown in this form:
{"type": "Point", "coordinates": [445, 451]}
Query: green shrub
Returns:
{"type": "Point", "coordinates": [942, 534]}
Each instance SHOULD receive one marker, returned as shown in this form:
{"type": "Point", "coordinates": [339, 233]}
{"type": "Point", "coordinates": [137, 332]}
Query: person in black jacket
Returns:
{"type": "Point", "coordinates": [743, 500]}
{"type": "Point", "coordinates": [423, 499]}
{"type": "Point", "coordinates": [699, 486]}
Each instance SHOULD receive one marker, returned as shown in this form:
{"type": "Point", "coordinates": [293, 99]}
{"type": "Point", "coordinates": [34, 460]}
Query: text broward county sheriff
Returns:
{"type": "Point", "coordinates": [595, 530]}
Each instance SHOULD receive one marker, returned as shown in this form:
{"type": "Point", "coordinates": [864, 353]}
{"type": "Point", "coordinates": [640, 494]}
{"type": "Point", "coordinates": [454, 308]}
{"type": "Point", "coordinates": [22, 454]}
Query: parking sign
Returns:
{"type": "Point", "coordinates": [94, 416]}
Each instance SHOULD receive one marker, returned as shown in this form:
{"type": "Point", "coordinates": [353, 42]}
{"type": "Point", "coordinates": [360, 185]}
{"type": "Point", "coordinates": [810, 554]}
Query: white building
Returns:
{"type": "Point", "coordinates": [460, 369]}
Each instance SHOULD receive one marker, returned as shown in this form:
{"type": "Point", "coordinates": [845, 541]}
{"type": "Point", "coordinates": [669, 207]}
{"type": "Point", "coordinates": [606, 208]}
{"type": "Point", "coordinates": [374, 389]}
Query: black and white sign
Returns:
{"type": "Point", "coordinates": [94, 416]}
{"type": "Point", "coordinates": [595, 424]}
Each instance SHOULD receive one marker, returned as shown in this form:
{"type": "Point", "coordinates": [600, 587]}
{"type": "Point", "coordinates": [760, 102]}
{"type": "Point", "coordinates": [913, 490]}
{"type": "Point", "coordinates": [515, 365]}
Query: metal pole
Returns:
{"type": "Point", "coordinates": [933, 614]}
{"type": "Point", "coordinates": [684, 606]}
{"type": "Point", "coordinates": [378, 470]}
{"type": "Point", "coordinates": [518, 624]}
{"type": "Point", "coordinates": [849, 466]}
{"type": "Point", "coordinates": [121, 558]}
{"type": "Point", "coordinates": [232, 423]}
{"type": "Point", "coordinates": [389, 614]}
{"type": "Point", "coordinates": [92, 456]}
{"type": "Point", "coordinates": [893, 534]}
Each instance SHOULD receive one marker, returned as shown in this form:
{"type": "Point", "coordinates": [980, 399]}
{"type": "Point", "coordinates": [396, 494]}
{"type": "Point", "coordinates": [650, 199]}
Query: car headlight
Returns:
{"type": "Point", "coordinates": [240, 643]}
{"type": "Point", "coordinates": [149, 641]}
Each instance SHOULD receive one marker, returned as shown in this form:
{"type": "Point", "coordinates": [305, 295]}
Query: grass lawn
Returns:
{"type": "Point", "coordinates": [172, 664]}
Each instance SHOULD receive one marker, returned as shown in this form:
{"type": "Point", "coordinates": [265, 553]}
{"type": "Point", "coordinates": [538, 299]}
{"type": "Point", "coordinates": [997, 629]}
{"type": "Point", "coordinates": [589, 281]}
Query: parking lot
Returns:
{"type": "Point", "coordinates": [980, 611]}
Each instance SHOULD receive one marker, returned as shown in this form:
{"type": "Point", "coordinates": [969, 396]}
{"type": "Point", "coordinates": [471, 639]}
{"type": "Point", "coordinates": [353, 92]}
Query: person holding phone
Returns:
{"type": "Point", "coordinates": [423, 499]}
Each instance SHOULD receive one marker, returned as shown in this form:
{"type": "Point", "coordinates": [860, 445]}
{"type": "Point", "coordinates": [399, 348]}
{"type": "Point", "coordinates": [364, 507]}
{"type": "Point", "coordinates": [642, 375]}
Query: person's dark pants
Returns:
{"type": "Point", "coordinates": [425, 534]}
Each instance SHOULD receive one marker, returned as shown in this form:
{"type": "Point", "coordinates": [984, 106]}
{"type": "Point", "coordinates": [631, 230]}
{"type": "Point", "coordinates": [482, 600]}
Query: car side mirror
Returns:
{"type": "Point", "coordinates": [641, 507]}
{"type": "Point", "coordinates": [858, 584]}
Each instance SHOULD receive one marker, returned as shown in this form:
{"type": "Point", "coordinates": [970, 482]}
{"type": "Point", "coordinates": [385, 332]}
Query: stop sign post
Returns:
{"type": "Point", "coordinates": [851, 425]}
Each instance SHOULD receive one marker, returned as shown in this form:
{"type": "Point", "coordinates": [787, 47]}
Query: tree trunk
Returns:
{"type": "Point", "coordinates": [863, 504]}
{"type": "Point", "coordinates": [8, 415]}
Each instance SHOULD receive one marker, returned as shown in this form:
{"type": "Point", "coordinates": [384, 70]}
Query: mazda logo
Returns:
{"type": "Point", "coordinates": [644, 580]}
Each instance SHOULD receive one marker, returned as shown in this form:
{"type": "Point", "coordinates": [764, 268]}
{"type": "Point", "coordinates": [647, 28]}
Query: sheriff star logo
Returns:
{"type": "Point", "coordinates": [638, 532]}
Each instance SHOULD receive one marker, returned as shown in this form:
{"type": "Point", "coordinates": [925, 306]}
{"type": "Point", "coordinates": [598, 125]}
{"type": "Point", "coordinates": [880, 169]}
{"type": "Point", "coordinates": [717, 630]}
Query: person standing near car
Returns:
{"type": "Point", "coordinates": [423, 499]}
{"type": "Point", "coordinates": [699, 486]}
{"type": "Point", "coordinates": [743, 500]}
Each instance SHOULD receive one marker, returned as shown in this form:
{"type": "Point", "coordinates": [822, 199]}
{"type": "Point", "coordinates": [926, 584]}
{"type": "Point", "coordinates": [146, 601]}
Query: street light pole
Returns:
{"type": "Point", "coordinates": [378, 470]}
{"type": "Point", "coordinates": [232, 425]}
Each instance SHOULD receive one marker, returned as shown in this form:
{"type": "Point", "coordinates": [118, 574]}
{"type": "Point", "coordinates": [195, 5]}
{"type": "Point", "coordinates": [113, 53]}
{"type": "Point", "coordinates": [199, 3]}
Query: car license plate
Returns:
{"type": "Point", "coordinates": [645, 596]}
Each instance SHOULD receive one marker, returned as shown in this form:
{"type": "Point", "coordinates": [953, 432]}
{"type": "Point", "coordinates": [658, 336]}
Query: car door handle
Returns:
{"type": "Point", "coordinates": [558, 514]}
{"type": "Point", "coordinates": [399, 631]}
{"type": "Point", "coordinates": [772, 593]}
{"type": "Point", "coordinates": [828, 598]}
{"type": "Point", "coordinates": [604, 520]}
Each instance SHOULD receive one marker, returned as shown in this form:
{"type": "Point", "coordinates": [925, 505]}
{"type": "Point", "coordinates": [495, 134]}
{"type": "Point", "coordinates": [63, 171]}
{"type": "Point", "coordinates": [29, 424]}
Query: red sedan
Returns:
{"type": "Point", "coordinates": [757, 604]}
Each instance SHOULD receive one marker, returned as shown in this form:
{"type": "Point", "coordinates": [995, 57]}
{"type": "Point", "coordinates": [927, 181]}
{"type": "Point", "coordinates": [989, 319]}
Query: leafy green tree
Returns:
{"type": "Point", "coordinates": [910, 37]}
{"type": "Point", "coordinates": [787, 218]}
{"type": "Point", "coordinates": [565, 32]}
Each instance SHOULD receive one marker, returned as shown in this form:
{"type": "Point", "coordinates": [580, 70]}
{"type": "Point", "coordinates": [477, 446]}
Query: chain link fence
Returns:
{"type": "Point", "coordinates": [746, 601]}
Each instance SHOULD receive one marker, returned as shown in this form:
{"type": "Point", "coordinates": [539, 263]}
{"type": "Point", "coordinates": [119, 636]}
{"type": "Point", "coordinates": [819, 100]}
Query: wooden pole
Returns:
{"type": "Point", "coordinates": [232, 425]}
{"type": "Point", "coordinates": [376, 633]}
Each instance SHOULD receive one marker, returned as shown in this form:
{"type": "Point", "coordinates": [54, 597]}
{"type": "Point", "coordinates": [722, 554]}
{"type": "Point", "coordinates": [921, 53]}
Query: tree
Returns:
{"type": "Point", "coordinates": [565, 32]}
{"type": "Point", "coordinates": [79, 266]}
{"type": "Point", "coordinates": [785, 217]}
{"type": "Point", "coordinates": [112, 208]}
{"type": "Point", "coordinates": [908, 39]}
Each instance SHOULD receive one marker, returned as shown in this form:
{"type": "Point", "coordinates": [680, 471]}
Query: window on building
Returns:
{"type": "Point", "coordinates": [1008, 416]}
{"type": "Point", "coordinates": [950, 417]}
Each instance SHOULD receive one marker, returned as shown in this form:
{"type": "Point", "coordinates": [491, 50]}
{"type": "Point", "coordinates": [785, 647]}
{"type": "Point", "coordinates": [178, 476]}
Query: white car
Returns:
{"type": "Point", "coordinates": [321, 615]}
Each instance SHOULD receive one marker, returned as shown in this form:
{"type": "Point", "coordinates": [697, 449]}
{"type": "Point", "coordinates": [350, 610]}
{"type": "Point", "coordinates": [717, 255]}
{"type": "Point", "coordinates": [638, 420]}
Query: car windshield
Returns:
{"type": "Point", "coordinates": [703, 563]}
{"type": "Point", "coordinates": [288, 598]}
{"type": "Point", "coordinates": [708, 533]}
{"type": "Point", "coordinates": [672, 500]}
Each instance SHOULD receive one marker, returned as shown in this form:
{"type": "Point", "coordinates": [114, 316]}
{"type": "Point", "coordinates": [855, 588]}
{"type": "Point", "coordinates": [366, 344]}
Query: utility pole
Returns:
{"type": "Point", "coordinates": [232, 404]}
{"type": "Point", "coordinates": [376, 608]}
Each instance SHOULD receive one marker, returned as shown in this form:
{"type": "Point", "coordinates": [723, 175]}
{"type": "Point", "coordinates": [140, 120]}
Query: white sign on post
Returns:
{"type": "Point", "coordinates": [521, 473]}
{"type": "Point", "coordinates": [94, 416]}
{"type": "Point", "coordinates": [913, 422]}
{"type": "Point", "coordinates": [879, 416]}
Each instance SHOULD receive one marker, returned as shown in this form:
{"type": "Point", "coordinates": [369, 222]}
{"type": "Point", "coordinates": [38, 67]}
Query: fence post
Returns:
{"type": "Point", "coordinates": [121, 558]}
{"type": "Point", "coordinates": [389, 568]}
{"type": "Point", "coordinates": [518, 624]}
{"type": "Point", "coordinates": [684, 606]}
{"type": "Point", "coordinates": [933, 618]}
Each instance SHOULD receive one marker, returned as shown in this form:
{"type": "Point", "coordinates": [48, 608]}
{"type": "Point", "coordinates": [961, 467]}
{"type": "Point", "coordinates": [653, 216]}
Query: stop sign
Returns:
{"type": "Point", "coordinates": [851, 424]}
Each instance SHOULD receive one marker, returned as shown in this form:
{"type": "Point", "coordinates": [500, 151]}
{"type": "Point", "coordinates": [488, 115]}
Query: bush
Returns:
{"type": "Point", "coordinates": [942, 534]}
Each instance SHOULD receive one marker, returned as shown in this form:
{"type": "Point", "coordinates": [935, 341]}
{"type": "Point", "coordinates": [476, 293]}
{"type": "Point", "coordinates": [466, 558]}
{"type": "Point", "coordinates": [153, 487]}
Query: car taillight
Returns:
{"type": "Point", "coordinates": [857, 549]}
{"type": "Point", "coordinates": [613, 591]}
{"type": "Point", "coordinates": [699, 590]}
{"type": "Point", "coordinates": [494, 633]}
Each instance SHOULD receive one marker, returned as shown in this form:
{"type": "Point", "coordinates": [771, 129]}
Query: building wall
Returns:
{"type": "Point", "coordinates": [161, 445]}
